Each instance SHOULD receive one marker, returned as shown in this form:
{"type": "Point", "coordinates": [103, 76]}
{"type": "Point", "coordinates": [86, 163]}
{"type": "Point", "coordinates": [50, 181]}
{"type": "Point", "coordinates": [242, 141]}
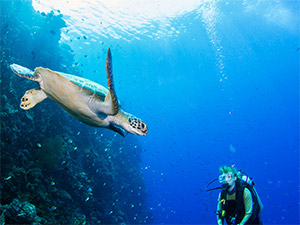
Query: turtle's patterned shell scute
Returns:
{"type": "Point", "coordinates": [87, 84]}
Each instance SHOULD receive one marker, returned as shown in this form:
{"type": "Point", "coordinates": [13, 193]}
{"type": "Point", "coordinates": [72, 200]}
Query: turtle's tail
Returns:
{"type": "Point", "coordinates": [24, 72]}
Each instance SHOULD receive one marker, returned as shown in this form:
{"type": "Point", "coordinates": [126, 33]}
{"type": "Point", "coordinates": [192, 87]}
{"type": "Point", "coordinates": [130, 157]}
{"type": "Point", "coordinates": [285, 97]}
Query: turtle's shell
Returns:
{"type": "Point", "coordinates": [58, 85]}
{"type": "Point", "coordinates": [82, 98]}
{"type": "Point", "coordinates": [87, 84]}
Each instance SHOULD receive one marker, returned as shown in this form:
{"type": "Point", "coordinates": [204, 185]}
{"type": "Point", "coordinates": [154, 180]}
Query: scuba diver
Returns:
{"type": "Point", "coordinates": [238, 202]}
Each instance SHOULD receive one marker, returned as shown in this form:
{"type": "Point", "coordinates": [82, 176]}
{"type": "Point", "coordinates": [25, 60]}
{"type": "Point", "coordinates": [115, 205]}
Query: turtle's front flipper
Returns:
{"type": "Point", "coordinates": [32, 97]}
{"type": "Point", "coordinates": [119, 130]}
{"type": "Point", "coordinates": [111, 98]}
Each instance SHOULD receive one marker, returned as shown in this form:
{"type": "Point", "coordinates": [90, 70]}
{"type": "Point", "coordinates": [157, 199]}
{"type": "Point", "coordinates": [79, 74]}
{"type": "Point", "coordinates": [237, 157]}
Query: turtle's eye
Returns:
{"type": "Point", "coordinates": [143, 127]}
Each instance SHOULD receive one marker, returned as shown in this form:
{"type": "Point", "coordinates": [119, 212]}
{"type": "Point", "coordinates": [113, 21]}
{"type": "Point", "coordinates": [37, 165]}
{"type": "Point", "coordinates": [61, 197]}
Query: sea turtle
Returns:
{"type": "Point", "coordinates": [83, 99]}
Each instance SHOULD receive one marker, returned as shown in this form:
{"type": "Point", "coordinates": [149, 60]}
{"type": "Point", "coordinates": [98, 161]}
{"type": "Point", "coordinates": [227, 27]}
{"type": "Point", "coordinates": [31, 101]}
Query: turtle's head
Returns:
{"type": "Point", "coordinates": [137, 126]}
{"type": "Point", "coordinates": [132, 124]}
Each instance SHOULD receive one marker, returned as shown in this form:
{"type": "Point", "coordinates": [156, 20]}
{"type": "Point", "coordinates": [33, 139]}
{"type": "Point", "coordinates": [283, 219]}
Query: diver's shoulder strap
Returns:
{"type": "Point", "coordinates": [239, 200]}
{"type": "Point", "coordinates": [223, 194]}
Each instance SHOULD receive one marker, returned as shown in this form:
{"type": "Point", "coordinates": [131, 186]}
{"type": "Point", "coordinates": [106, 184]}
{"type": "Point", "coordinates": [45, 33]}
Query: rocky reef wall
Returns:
{"type": "Point", "coordinates": [55, 170]}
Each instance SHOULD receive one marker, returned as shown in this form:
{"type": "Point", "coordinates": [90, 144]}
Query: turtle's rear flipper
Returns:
{"type": "Point", "coordinates": [32, 97]}
{"type": "Point", "coordinates": [24, 72]}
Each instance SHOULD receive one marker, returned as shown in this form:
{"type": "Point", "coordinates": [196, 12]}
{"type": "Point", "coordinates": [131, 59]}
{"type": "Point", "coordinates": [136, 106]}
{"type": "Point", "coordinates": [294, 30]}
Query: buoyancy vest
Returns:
{"type": "Point", "coordinates": [233, 211]}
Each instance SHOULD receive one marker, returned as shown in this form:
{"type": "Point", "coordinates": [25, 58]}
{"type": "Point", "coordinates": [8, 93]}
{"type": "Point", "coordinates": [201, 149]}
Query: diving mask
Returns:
{"type": "Point", "coordinates": [223, 180]}
{"type": "Point", "coordinates": [225, 176]}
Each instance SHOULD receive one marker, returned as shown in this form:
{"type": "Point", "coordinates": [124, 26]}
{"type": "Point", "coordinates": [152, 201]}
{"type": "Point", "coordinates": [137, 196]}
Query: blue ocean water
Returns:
{"type": "Point", "coordinates": [217, 83]}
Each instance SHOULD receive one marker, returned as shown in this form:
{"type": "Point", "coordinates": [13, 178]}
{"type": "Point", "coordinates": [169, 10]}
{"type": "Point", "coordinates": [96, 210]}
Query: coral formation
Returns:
{"type": "Point", "coordinates": [20, 213]}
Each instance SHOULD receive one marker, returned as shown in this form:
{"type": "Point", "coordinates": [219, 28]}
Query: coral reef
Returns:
{"type": "Point", "coordinates": [20, 213]}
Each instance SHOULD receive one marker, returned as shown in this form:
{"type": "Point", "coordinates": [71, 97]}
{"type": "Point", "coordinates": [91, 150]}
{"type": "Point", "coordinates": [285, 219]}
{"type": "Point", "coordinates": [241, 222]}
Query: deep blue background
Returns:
{"type": "Point", "coordinates": [174, 84]}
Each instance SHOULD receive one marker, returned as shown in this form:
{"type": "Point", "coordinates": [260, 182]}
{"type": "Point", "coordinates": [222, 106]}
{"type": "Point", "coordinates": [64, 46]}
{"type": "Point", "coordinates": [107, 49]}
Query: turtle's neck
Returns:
{"type": "Point", "coordinates": [120, 118]}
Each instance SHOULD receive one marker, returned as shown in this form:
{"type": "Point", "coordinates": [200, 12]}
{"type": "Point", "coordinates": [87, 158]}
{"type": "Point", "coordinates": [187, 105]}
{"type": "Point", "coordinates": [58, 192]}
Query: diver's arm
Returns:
{"type": "Point", "coordinates": [220, 221]}
{"type": "Point", "coordinates": [248, 202]}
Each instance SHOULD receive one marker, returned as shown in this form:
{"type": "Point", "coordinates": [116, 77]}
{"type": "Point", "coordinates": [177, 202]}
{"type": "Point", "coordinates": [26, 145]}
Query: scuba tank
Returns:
{"type": "Point", "coordinates": [244, 176]}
